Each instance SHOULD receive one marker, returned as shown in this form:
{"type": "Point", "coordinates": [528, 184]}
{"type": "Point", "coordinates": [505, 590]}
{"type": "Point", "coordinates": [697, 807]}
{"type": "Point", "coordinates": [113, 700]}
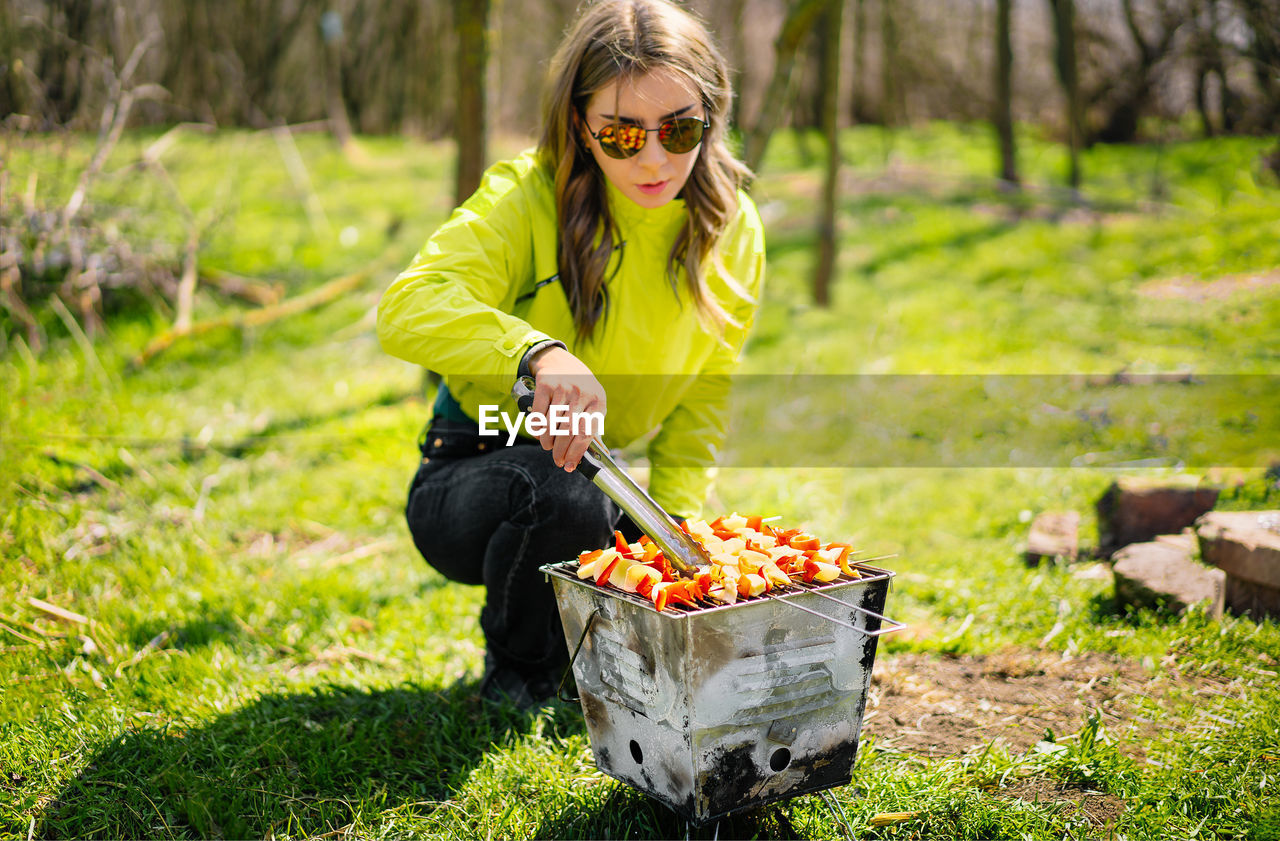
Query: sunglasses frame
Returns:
{"type": "Point", "coordinates": [647, 131]}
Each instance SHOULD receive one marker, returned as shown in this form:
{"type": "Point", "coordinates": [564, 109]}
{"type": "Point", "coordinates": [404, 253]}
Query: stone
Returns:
{"type": "Point", "coordinates": [1135, 510]}
{"type": "Point", "coordinates": [1246, 546]}
{"type": "Point", "coordinates": [1152, 573]}
{"type": "Point", "coordinates": [1054, 534]}
{"type": "Point", "coordinates": [1185, 539]}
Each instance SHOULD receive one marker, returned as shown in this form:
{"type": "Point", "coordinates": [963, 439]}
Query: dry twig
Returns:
{"type": "Point", "coordinates": [317, 297]}
{"type": "Point", "coordinates": [57, 612]}
{"type": "Point", "coordinates": [302, 181]}
{"type": "Point", "coordinates": [21, 636]}
{"type": "Point", "coordinates": [114, 118]}
{"type": "Point", "coordinates": [254, 291]}
{"type": "Point", "coordinates": [152, 646]}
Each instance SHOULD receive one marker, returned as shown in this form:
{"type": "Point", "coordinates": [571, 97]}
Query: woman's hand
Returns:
{"type": "Point", "coordinates": [564, 380]}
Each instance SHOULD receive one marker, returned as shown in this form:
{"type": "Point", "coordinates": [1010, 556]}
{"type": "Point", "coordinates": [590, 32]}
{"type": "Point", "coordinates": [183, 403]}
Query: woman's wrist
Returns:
{"type": "Point", "coordinates": [526, 368]}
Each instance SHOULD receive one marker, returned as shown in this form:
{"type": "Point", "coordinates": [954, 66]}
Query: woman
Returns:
{"type": "Point", "coordinates": [620, 251]}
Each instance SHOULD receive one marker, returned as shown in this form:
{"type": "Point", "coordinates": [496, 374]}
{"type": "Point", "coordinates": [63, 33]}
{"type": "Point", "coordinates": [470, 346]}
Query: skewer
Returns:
{"type": "Point", "coordinates": [841, 622]}
{"type": "Point", "coordinates": [897, 626]}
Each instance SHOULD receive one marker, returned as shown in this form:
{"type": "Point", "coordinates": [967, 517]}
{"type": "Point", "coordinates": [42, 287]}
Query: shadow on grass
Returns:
{"type": "Point", "coordinates": [628, 813]}
{"type": "Point", "coordinates": [213, 625]}
{"type": "Point", "coordinates": [1104, 609]}
{"type": "Point", "coordinates": [300, 764]}
{"type": "Point", "coordinates": [78, 478]}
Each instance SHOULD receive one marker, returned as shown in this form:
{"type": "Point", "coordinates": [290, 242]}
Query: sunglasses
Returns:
{"type": "Point", "coordinates": [677, 136]}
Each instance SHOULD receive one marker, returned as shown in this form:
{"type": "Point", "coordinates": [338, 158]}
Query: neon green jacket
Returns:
{"type": "Point", "coordinates": [474, 300]}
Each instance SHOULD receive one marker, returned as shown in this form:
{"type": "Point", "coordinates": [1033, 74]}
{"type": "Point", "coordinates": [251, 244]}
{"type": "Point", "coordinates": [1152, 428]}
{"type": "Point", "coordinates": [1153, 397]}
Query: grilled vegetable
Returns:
{"type": "Point", "coordinates": [748, 559]}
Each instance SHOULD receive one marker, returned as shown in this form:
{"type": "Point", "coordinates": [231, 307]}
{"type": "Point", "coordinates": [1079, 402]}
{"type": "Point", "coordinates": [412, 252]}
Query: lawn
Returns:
{"type": "Point", "coordinates": [256, 649]}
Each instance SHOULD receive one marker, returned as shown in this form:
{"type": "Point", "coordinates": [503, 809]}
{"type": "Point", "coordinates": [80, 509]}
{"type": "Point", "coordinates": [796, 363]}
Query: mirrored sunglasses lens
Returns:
{"type": "Point", "coordinates": [680, 136]}
{"type": "Point", "coordinates": [621, 141]}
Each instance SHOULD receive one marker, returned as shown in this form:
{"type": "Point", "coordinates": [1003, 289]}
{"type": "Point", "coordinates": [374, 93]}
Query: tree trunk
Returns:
{"type": "Point", "coordinates": [1263, 18]}
{"type": "Point", "coordinates": [800, 17]}
{"type": "Point", "coordinates": [1004, 93]}
{"type": "Point", "coordinates": [891, 111]}
{"type": "Point", "coordinates": [1202, 100]}
{"type": "Point", "coordinates": [471, 21]}
{"type": "Point", "coordinates": [1065, 59]}
{"type": "Point", "coordinates": [738, 41]}
{"type": "Point", "coordinates": [857, 100]}
{"type": "Point", "coordinates": [1205, 40]}
{"type": "Point", "coordinates": [830, 83]}
{"type": "Point", "coordinates": [339, 124]}
{"type": "Point", "coordinates": [1137, 82]}
{"type": "Point", "coordinates": [1226, 103]}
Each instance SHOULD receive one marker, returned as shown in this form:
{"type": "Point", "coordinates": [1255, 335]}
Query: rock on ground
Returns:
{"type": "Point", "coordinates": [1054, 534]}
{"type": "Point", "coordinates": [1134, 510]}
{"type": "Point", "coordinates": [1246, 546]}
{"type": "Point", "coordinates": [1148, 574]}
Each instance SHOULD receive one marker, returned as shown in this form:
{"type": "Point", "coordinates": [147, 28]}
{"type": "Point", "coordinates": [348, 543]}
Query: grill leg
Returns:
{"type": "Point", "coordinates": [838, 811]}
{"type": "Point", "coordinates": [688, 829]}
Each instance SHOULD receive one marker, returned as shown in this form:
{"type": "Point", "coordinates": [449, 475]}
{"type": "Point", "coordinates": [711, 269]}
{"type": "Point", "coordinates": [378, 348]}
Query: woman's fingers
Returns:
{"type": "Point", "coordinates": [574, 451]}
{"type": "Point", "coordinates": [572, 402]}
{"type": "Point", "coordinates": [571, 443]}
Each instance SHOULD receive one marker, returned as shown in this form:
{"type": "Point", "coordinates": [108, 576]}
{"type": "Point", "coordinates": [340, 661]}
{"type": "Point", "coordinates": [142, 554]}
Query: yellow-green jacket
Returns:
{"type": "Point", "coordinates": [474, 300]}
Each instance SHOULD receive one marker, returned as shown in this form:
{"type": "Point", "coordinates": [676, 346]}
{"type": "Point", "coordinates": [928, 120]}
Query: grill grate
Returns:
{"type": "Point", "coordinates": [569, 570]}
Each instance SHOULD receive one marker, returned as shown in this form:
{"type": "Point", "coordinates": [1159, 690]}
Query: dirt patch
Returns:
{"type": "Point", "coordinates": [947, 706]}
{"type": "Point", "coordinates": [1099, 809]}
{"type": "Point", "coordinates": [1190, 288]}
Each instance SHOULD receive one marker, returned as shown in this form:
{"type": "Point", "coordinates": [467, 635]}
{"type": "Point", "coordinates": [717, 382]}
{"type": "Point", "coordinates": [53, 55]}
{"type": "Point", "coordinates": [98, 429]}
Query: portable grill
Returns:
{"type": "Point", "coordinates": [718, 709]}
{"type": "Point", "coordinates": [713, 710]}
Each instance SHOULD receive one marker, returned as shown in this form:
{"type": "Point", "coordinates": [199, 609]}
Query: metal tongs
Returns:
{"type": "Point", "coordinates": [684, 553]}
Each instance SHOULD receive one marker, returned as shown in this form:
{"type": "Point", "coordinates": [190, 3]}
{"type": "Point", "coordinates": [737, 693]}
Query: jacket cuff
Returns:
{"type": "Point", "coordinates": [523, 369]}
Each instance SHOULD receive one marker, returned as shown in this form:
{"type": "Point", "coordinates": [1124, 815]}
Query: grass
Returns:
{"type": "Point", "coordinates": [265, 655]}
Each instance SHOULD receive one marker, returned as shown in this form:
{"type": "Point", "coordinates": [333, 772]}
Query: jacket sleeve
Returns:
{"type": "Point", "coordinates": [446, 311]}
{"type": "Point", "coordinates": [683, 453]}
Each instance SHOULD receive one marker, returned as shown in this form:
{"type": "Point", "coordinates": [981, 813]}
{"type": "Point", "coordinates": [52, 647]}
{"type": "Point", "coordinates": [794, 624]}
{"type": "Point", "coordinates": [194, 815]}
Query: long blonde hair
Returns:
{"type": "Point", "coordinates": [616, 40]}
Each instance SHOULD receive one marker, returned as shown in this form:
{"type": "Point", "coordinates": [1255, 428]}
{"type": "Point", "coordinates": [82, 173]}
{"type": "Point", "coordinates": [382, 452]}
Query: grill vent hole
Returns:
{"type": "Point", "coordinates": [638, 755]}
{"type": "Point", "coordinates": [780, 758]}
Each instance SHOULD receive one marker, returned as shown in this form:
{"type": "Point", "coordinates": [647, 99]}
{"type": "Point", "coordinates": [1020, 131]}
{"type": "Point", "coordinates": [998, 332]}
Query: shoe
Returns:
{"type": "Point", "coordinates": [526, 692]}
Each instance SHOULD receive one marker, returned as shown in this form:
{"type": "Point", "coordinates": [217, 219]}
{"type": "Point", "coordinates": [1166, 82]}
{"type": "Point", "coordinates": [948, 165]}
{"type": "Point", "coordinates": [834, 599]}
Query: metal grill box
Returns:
{"type": "Point", "coordinates": [726, 708]}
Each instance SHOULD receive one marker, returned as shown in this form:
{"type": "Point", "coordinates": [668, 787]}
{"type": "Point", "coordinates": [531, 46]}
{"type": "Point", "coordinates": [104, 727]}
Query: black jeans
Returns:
{"type": "Point", "coordinates": [484, 513]}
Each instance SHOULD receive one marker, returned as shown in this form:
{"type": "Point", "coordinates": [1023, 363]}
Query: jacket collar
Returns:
{"type": "Point", "coordinates": [628, 215]}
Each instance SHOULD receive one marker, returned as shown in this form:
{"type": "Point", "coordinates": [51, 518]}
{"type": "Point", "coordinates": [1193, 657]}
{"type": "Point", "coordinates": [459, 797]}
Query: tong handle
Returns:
{"type": "Point", "coordinates": [680, 550]}
{"type": "Point", "coordinates": [523, 392]}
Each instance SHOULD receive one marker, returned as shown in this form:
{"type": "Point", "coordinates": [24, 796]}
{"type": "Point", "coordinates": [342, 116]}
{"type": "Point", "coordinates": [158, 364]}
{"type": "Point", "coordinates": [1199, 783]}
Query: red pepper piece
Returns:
{"type": "Point", "coordinates": [661, 601]}
{"type": "Point", "coordinates": [685, 592]}
{"type": "Point", "coordinates": [608, 570]}
{"type": "Point", "coordinates": [755, 522]}
{"type": "Point", "coordinates": [843, 560]}
{"type": "Point", "coordinates": [805, 541]}
{"type": "Point", "coordinates": [784, 535]}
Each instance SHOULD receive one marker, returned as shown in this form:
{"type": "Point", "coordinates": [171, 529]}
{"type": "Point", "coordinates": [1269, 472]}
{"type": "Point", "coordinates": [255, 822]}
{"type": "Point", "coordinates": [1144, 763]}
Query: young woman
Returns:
{"type": "Point", "coordinates": [620, 252]}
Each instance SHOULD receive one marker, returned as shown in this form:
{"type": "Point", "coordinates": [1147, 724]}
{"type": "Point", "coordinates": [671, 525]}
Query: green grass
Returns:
{"type": "Point", "coordinates": [266, 655]}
